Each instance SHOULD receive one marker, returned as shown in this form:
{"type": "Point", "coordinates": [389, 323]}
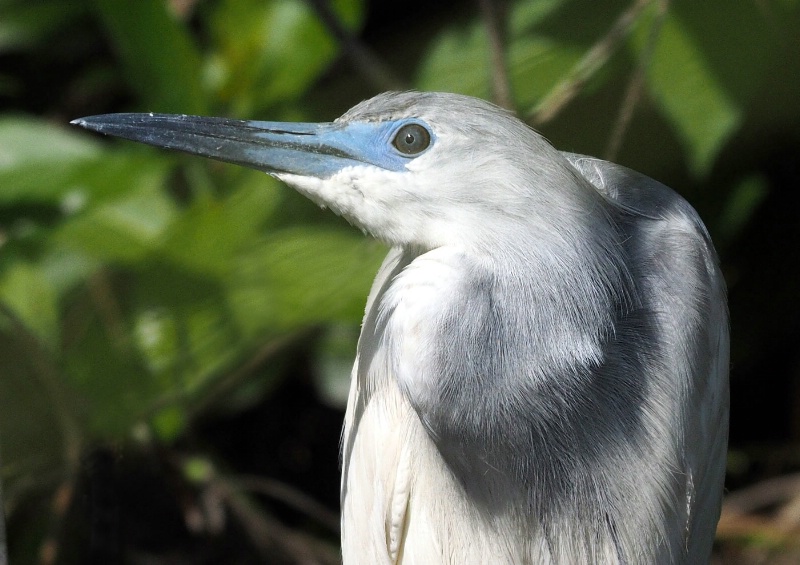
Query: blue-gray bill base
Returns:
{"type": "Point", "coordinates": [542, 373]}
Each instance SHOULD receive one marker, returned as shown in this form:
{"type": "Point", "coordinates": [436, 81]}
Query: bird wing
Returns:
{"type": "Point", "coordinates": [687, 292]}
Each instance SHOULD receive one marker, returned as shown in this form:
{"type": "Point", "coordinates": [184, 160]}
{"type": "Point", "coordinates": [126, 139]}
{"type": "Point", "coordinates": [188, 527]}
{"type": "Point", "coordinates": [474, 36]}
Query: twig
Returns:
{"type": "Point", "coordinates": [364, 60]}
{"type": "Point", "coordinates": [267, 534]}
{"type": "Point", "coordinates": [565, 91]}
{"type": "Point", "coordinates": [291, 497]}
{"type": "Point", "coordinates": [103, 297]}
{"type": "Point", "coordinates": [494, 18]}
{"type": "Point", "coordinates": [743, 512]}
{"type": "Point", "coordinates": [3, 546]}
{"type": "Point", "coordinates": [62, 498]}
{"type": "Point", "coordinates": [633, 92]}
{"type": "Point", "coordinates": [763, 494]}
{"type": "Point", "coordinates": [237, 376]}
{"type": "Point", "coordinates": [788, 518]}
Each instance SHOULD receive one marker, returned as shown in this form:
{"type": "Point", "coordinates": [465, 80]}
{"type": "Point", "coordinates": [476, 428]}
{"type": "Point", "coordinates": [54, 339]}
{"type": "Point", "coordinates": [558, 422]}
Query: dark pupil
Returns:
{"type": "Point", "coordinates": [412, 139]}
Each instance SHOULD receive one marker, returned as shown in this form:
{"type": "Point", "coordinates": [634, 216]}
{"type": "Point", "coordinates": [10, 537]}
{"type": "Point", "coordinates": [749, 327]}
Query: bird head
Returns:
{"type": "Point", "coordinates": [412, 169]}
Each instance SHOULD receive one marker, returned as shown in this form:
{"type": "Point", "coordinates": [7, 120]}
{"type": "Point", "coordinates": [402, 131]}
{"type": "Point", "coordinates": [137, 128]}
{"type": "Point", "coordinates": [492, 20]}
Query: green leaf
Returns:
{"type": "Point", "coordinates": [206, 237]}
{"type": "Point", "coordinates": [37, 158]}
{"type": "Point", "coordinates": [743, 201]}
{"type": "Point", "coordinates": [183, 326]}
{"type": "Point", "coordinates": [168, 423]}
{"type": "Point", "coordinates": [123, 230]}
{"type": "Point", "coordinates": [708, 62]}
{"type": "Point", "coordinates": [33, 441]}
{"type": "Point", "coordinates": [26, 291]}
{"type": "Point", "coordinates": [161, 62]}
{"type": "Point", "coordinates": [301, 276]}
{"type": "Point", "coordinates": [102, 368]}
{"type": "Point", "coordinates": [459, 60]}
{"type": "Point", "coordinates": [271, 51]}
{"type": "Point", "coordinates": [699, 107]}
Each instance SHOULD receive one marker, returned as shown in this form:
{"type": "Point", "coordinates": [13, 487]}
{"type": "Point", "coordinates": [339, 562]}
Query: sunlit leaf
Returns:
{"type": "Point", "coordinates": [124, 229]}
{"type": "Point", "coordinates": [700, 108]}
{"type": "Point", "coordinates": [36, 158]}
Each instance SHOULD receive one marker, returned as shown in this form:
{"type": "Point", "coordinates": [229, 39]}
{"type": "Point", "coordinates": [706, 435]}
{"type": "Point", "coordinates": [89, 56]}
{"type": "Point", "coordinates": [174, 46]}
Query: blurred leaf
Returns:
{"type": "Point", "coordinates": [206, 237]}
{"type": "Point", "coordinates": [271, 51]}
{"type": "Point", "coordinates": [31, 440]}
{"type": "Point", "coordinates": [123, 230]}
{"type": "Point", "coordinates": [161, 61]}
{"type": "Point", "coordinates": [168, 423]}
{"type": "Point", "coordinates": [459, 60]}
{"type": "Point", "coordinates": [44, 164]}
{"type": "Point", "coordinates": [536, 67]}
{"type": "Point", "coordinates": [25, 290]}
{"type": "Point", "coordinates": [183, 328]}
{"type": "Point", "coordinates": [737, 44]}
{"type": "Point", "coordinates": [37, 158]}
{"type": "Point", "coordinates": [299, 276]}
{"type": "Point", "coordinates": [142, 354]}
{"type": "Point", "coordinates": [155, 331]}
{"type": "Point", "coordinates": [699, 107]}
{"type": "Point", "coordinates": [708, 62]}
{"type": "Point", "coordinates": [198, 470]}
{"type": "Point", "coordinates": [102, 368]}
{"type": "Point", "coordinates": [64, 269]}
{"type": "Point", "coordinates": [740, 206]}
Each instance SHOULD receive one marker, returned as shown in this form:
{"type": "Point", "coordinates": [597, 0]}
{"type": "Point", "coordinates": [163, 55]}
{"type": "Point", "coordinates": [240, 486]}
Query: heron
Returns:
{"type": "Point", "coordinates": [542, 370]}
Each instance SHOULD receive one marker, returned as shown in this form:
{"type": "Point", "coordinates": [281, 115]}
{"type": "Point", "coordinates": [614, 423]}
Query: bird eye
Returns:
{"type": "Point", "coordinates": [412, 139]}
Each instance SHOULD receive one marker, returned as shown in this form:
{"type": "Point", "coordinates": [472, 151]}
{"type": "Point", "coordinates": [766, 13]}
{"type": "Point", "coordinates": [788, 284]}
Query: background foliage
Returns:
{"type": "Point", "coordinates": [175, 334]}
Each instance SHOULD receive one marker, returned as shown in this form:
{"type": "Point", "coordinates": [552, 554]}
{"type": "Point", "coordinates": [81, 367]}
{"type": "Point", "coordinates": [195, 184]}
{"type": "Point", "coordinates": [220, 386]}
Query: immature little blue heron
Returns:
{"type": "Point", "coordinates": [542, 374]}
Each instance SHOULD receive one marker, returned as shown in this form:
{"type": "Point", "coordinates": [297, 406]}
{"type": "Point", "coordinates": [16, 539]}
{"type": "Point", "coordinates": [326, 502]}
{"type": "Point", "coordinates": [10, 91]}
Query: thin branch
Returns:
{"type": "Point", "coordinates": [744, 512]}
{"type": "Point", "coordinates": [788, 518]}
{"type": "Point", "coordinates": [267, 534]}
{"type": "Point", "coordinates": [233, 379]}
{"type": "Point", "coordinates": [365, 60]}
{"type": "Point", "coordinates": [291, 497]}
{"type": "Point", "coordinates": [102, 294]}
{"type": "Point", "coordinates": [62, 499]}
{"type": "Point", "coordinates": [565, 91]}
{"type": "Point", "coordinates": [3, 546]}
{"type": "Point", "coordinates": [633, 92]}
{"type": "Point", "coordinates": [494, 12]}
{"type": "Point", "coordinates": [761, 495]}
